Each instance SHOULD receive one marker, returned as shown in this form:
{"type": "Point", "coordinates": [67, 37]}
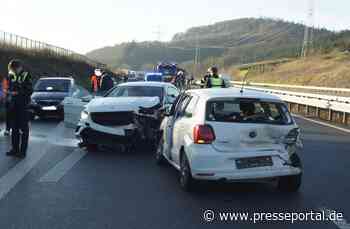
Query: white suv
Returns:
{"type": "Point", "coordinates": [116, 118]}
{"type": "Point", "coordinates": [226, 135]}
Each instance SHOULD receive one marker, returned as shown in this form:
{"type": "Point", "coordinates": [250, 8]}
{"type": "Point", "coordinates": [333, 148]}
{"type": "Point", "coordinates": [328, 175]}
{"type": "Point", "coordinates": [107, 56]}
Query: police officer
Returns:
{"type": "Point", "coordinates": [19, 92]}
{"type": "Point", "coordinates": [215, 81]}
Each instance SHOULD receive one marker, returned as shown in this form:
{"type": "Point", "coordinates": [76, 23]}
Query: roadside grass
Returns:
{"type": "Point", "coordinates": [331, 70]}
{"type": "Point", "coordinates": [45, 63]}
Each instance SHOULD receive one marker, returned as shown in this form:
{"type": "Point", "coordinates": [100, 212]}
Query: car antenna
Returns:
{"type": "Point", "coordinates": [244, 81]}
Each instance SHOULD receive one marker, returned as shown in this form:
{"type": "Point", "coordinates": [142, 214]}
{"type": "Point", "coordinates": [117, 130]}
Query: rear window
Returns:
{"type": "Point", "coordinates": [53, 85]}
{"type": "Point", "coordinates": [248, 111]}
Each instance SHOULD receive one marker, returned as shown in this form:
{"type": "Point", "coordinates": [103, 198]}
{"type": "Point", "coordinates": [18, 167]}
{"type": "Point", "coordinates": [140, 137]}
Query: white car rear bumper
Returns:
{"type": "Point", "coordinates": [208, 164]}
{"type": "Point", "coordinates": [244, 174]}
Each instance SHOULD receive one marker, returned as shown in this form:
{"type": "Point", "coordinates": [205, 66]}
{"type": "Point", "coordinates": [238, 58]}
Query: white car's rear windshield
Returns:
{"type": "Point", "coordinates": [248, 111]}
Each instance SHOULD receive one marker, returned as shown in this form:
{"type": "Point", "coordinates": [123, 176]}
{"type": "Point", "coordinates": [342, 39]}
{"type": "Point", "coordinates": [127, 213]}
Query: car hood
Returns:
{"type": "Point", "coordinates": [121, 104]}
{"type": "Point", "coordinates": [49, 95]}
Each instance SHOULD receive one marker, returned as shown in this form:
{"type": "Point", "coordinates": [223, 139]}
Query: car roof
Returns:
{"type": "Point", "coordinates": [147, 83]}
{"type": "Point", "coordinates": [233, 92]}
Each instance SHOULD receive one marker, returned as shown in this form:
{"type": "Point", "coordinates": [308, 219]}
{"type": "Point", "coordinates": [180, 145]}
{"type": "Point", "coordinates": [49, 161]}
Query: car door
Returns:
{"type": "Point", "coordinates": [178, 128]}
{"type": "Point", "coordinates": [75, 104]}
{"type": "Point", "coordinates": [168, 125]}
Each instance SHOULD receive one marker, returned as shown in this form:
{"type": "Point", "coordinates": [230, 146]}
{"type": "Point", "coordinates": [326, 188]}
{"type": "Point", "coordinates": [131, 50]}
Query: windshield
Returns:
{"type": "Point", "coordinates": [137, 91]}
{"type": "Point", "coordinates": [53, 85]}
{"type": "Point", "coordinates": [248, 111]}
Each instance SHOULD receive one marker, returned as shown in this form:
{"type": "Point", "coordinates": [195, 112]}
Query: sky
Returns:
{"type": "Point", "coordinates": [84, 25]}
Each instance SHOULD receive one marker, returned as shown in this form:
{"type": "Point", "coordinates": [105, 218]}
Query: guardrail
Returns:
{"type": "Point", "coordinates": [331, 89]}
{"type": "Point", "coordinates": [10, 40]}
{"type": "Point", "coordinates": [329, 108]}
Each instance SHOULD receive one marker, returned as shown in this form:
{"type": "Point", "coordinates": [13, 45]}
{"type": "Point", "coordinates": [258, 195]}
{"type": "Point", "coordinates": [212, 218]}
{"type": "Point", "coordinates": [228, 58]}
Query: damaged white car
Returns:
{"type": "Point", "coordinates": [226, 135]}
{"type": "Point", "coordinates": [127, 114]}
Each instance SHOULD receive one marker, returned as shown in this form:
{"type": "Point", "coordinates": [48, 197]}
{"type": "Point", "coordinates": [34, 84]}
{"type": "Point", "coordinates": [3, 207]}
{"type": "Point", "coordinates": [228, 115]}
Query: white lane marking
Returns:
{"type": "Point", "coordinates": [17, 173]}
{"type": "Point", "coordinates": [63, 167]}
{"type": "Point", "coordinates": [341, 224]}
{"type": "Point", "coordinates": [324, 124]}
{"type": "Point", "coordinates": [59, 138]}
{"type": "Point", "coordinates": [68, 142]}
{"type": "Point", "coordinates": [22, 168]}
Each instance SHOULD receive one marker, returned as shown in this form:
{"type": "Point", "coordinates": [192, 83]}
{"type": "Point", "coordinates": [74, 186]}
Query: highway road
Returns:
{"type": "Point", "coordinates": [59, 186]}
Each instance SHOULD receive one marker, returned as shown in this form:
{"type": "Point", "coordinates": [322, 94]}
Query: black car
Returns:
{"type": "Point", "coordinates": [46, 101]}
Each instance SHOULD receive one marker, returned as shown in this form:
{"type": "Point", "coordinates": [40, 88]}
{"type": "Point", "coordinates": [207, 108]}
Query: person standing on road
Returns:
{"type": "Point", "coordinates": [106, 83]}
{"type": "Point", "coordinates": [215, 81]}
{"type": "Point", "coordinates": [5, 88]}
{"type": "Point", "coordinates": [19, 92]}
{"type": "Point", "coordinates": [205, 78]}
{"type": "Point", "coordinates": [179, 80]}
{"type": "Point", "coordinates": [95, 81]}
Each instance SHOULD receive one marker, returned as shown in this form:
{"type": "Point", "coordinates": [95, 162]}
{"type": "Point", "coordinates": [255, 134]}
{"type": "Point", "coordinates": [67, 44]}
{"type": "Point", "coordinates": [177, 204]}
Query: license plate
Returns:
{"type": "Point", "coordinates": [50, 108]}
{"type": "Point", "coordinates": [253, 162]}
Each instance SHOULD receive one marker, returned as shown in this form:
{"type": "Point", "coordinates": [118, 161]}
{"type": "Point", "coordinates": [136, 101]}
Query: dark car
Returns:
{"type": "Point", "coordinates": [48, 96]}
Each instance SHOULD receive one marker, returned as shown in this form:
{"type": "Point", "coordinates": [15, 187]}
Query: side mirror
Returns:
{"type": "Point", "coordinates": [188, 115]}
{"type": "Point", "coordinates": [167, 111]}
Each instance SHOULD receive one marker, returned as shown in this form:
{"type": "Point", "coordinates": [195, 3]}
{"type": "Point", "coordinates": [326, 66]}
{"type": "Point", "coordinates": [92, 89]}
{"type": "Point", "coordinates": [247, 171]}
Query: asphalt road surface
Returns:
{"type": "Point", "coordinates": [60, 186]}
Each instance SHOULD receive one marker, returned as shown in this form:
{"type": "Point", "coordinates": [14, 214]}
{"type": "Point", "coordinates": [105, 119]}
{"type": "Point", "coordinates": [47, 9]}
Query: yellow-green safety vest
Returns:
{"type": "Point", "coordinates": [216, 82]}
{"type": "Point", "coordinates": [20, 79]}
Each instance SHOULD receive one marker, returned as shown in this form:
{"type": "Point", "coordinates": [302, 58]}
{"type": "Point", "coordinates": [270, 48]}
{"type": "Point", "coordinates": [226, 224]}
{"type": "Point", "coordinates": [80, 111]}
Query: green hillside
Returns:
{"type": "Point", "coordinates": [229, 42]}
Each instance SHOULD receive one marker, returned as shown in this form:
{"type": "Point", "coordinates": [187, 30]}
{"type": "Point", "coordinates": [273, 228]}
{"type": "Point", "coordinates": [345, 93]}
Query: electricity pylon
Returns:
{"type": "Point", "coordinates": [309, 30]}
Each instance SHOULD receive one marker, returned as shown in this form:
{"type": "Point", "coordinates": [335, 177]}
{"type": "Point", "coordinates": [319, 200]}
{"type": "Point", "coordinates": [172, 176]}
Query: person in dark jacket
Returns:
{"type": "Point", "coordinates": [19, 92]}
{"type": "Point", "coordinates": [106, 83]}
{"type": "Point", "coordinates": [205, 78]}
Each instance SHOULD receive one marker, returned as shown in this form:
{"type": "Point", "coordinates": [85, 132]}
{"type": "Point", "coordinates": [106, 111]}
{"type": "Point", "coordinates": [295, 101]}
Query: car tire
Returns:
{"type": "Point", "coordinates": [186, 180]}
{"type": "Point", "coordinates": [289, 183]}
{"type": "Point", "coordinates": [91, 147]}
{"type": "Point", "coordinates": [160, 160]}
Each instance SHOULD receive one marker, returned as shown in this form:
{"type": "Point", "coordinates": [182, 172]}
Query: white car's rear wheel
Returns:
{"type": "Point", "coordinates": [186, 180]}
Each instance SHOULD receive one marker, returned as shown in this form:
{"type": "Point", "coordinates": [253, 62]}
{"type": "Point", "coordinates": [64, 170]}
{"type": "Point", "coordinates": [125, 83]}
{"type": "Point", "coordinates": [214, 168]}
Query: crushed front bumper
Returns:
{"type": "Point", "coordinates": [91, 136]}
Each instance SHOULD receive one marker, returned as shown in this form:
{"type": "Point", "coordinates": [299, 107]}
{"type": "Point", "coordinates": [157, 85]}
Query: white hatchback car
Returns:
{"type": "Point", "coordinates": [226, 135]}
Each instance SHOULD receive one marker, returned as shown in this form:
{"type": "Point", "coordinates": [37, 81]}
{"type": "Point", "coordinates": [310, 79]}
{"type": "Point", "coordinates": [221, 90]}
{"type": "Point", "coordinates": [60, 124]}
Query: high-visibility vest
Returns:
{"type": "Point", "coordinates": [14, 78]}
{"type": "Point", "coordinates": [216, 82]}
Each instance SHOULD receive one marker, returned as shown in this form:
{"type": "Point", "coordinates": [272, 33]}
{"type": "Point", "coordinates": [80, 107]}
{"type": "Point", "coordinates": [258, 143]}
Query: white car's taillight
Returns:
{"type": "Point", "coordinates": [292, 137]}
{"type": "Point", "coordinates": [203, 134]}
